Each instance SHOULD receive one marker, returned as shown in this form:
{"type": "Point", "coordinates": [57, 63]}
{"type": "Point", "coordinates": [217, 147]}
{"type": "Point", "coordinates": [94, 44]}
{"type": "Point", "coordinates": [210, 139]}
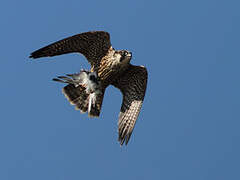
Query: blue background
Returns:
{"type": "Point", "coordinates": [189, 125]}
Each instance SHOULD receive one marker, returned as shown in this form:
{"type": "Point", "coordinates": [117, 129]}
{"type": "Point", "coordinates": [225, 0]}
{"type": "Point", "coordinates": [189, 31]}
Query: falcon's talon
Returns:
{"type": "Point", "coordinates": [86, 89]}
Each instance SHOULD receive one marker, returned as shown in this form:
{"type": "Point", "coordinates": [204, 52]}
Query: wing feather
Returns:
{"type": "Point", "coordinates": [133, 87]}
{"type": "Point", "coordinates": [93, 45]}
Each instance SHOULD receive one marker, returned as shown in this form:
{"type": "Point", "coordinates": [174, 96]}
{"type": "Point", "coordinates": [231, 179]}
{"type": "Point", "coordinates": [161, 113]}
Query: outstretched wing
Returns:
{"type": "Point", "coordinates": [133, 86]}
{"type": "Point", "coordinates": [93, 45]}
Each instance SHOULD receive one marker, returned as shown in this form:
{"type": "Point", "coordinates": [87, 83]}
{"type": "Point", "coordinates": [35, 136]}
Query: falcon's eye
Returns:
{"type": "Point", "coordinates": [125, 53]}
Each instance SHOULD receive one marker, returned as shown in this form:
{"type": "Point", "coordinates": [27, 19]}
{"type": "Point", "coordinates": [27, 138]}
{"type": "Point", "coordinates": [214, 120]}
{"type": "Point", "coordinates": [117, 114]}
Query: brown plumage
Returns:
{"type": "Point", "coordinates": [112, 67]}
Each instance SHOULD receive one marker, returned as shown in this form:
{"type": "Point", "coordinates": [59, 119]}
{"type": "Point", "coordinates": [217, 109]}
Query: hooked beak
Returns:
{"type": "Point", "coordinates": [129, 54]}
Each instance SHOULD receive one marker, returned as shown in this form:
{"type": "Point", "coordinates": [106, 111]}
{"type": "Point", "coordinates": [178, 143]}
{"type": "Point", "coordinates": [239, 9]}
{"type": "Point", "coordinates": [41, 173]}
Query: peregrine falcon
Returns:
{"type": "Point", "coordinates": [86, 89]}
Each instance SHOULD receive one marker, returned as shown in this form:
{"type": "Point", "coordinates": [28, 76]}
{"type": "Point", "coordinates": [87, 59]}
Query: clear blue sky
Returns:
{"type": "Point", "coordinates": [189, 125]}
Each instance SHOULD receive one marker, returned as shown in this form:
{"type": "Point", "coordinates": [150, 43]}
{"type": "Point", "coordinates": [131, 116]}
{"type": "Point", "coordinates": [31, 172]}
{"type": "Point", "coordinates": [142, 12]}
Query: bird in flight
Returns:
{"type": "Point", "coordinates": [86, 89]}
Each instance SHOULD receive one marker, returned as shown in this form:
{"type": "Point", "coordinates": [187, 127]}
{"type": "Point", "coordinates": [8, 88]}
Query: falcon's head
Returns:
{"type": "Point", "coordinates": [123, 56]}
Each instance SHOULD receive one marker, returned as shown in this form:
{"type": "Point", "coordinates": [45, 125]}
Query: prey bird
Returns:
{"type": "Point", "coordinates": [86, 89]}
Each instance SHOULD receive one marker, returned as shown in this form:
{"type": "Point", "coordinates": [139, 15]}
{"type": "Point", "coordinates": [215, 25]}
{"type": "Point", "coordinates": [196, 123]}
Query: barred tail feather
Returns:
{"type": "Point", "coordinates": [84, 101]}
{"type": "Point", "coordinates": [76, 96]}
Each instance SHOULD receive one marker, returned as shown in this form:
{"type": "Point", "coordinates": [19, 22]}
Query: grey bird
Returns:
{"type": "Point", "coordinates": [86, 89]}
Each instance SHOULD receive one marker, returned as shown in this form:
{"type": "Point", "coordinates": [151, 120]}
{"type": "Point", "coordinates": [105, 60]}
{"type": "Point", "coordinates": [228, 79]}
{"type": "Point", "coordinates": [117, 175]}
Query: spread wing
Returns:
{"type": "Point", "coordinates": [133, 86]}
{"type": "Point", "coordinates": [93, 45]}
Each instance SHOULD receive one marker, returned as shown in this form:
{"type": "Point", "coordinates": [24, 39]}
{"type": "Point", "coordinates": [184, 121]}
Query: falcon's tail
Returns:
{"type": "Point", "coordinates": [84, 101]}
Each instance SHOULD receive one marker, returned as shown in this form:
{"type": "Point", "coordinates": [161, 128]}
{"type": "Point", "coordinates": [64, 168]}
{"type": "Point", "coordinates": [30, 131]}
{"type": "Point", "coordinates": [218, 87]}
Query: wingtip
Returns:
{"type": "Point", "coordinates": [124, 139]}
{"type": "Point", "coordinates": [32, 56]}
{"type": "Point", "coordinates": [121, 141]}
{"type": "Point", "coordinates": [36, 54]}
